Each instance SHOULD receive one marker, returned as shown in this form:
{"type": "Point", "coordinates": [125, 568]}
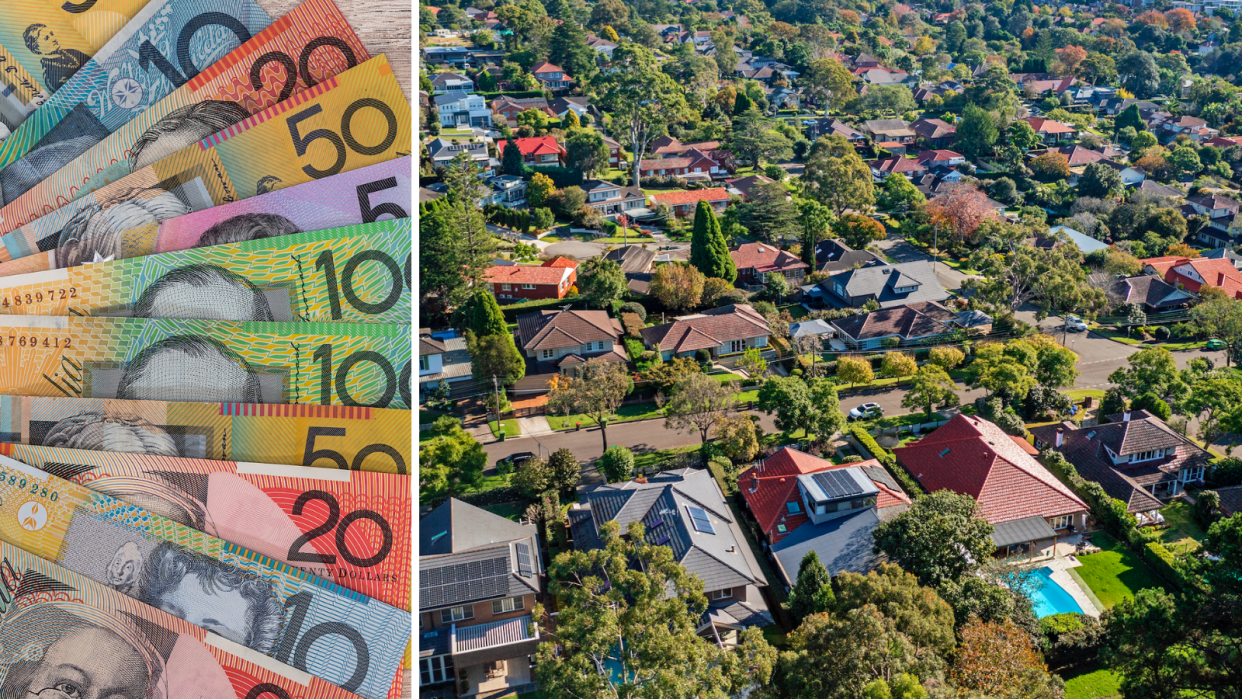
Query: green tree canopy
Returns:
{"type": "Point", "coordinates": [976, 132]}
{"type": "Point", "coordinates": [837, 177]}
{"type": "Point", "coordinates": [934, 538]}
{"type": "Point", "coordinates": [708, 250]}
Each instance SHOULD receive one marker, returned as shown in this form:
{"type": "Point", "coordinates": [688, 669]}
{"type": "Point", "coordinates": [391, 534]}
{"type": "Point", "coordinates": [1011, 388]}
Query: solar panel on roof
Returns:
{"type": "Point", "coordinates": [837, 484]}
{"type": "Point", "coordinates": [698, 517]}
{"type": "Point", "coordinates": [463, 582]}
{"type": "Point", "coordinates": [523, 556]}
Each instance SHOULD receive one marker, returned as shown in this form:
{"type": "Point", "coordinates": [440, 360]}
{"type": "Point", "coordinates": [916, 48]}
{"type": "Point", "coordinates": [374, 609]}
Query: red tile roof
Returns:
{"type": "Point", "coordinates": [1216, 272]}
{"type": "Point", "coordinates": [537, 145]}
{"type": "Point", "coordinates": [765, 258]}
{"type": "Point", "coordinates": [938, 155]}
{"type": "Point", "coordinates": [546, 67]}
{"type": "Point", "coordinates": [898, 164]}
{"type": "Point", "coordinates": [712, 328]}
{"type": "Point", "coordinates": [769, 486]}
{"type": "Point", "coordinates": [712, 194]}
{"type": "Point", "coordinates": [526, 274]}
{"type": "Point", "coordinates": [559, 261]}
{"type": "Point", "coordinates": [1042, 125]}
{"type": "Point", "coordinates": [973, 456]}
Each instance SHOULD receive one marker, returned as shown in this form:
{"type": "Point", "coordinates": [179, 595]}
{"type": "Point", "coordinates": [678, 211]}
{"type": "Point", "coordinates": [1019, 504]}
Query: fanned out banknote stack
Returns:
{"type": "Point", "coordinates": [205, 353]}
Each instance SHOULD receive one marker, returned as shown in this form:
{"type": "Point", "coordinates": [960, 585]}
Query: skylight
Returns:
{"type": "Point", "coordinates": [698, 517]}
{"type": "Point", "coordinates": [946, 451]}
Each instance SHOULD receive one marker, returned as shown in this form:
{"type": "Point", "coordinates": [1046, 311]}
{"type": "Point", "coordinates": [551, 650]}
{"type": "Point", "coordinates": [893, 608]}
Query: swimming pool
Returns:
{"type": "Point", "coordinates": [1049, 597]}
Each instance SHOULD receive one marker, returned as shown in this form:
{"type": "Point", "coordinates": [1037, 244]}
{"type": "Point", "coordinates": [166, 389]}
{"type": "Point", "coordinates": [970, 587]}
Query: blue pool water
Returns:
{"type": "Point", "coordinates": [1049, 597]}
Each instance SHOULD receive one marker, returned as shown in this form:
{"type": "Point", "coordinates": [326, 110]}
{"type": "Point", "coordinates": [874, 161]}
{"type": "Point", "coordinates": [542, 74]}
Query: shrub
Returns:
{"type": "Point", "coordinates": [1152, 404]}
{"type": "Point", "coordinates": [732, 296]}
{"type": "Point", "coordinates": [852, 459]}
{"type": "Point", "coordinates": [1207, 505]}
{"type": "Point", "coordinates": [1110, 515]}
{"type": "Point", "coordinates": [1163, 562]}
{"type": "Point", "coordinates": [632, 324]}
{"type": "Point", "coordinates": [703, 356]}
{"type": "Point", "coordinates": [616, 463]}
{"type": "Point", "coordinates": [635, 308]}
{"type": "Point", "coordinates": [911, 486]}
{"type": "Point", "coordinates": [1163, 332]}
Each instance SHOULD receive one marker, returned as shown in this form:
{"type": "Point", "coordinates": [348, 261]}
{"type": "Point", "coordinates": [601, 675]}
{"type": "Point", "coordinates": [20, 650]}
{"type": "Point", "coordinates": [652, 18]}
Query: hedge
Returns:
{"type": "Point", "coordinates": [561, 176]}
{"type": "Point", "coordinates": [495, 496]}
{"type": "Point", "coordinates": [517, 95]}
{"type": "Point", "coordinates": [1163, 562]}
{"type": "Point", "coordinates": [911, 486]}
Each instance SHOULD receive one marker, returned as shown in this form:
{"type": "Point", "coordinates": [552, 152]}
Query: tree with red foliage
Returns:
{"type": "Point", "coordinates": [1069, 58]}
{"type": "Point", "coordinates": [998, 658]}
{"type": "Point", "coordinates": [1181, 20]}
{"type": "Point", "coordinates": [1154, 18]}
{"type": "Point", "coordinates": [960, 210]}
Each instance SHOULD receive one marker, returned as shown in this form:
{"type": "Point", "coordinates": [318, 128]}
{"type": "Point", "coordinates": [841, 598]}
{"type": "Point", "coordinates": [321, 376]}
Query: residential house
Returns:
{"type": "Point", "coordinates": [451, 82]}
{"type": "Point", "coordinates": [744, 186]}
{"type": "Point", "coordinates": [803, 503]}
{"type": "Point", "coordinates": [1131, 175]}
{"type": "Point", "coordinates": [555, 341]}
{"type": "Point", "coordinates": [898, 164]}
{"type": "Point", "coordinates": [637, 263]}
{"type": "Point", "coordinates": [888, 130]}
{"type": "Point", "coordinates": [724, 332]}
{"type": "Point", "coordinates": [883, 76]}
{"type": "Point", "coordinates": [1153, 188]}
{"type": "Point", "coordinates": [667, 147]}
{"type": "Point", "coordinates": [828, 127]}
{"type": "Point", "coordinates": [783, 98]}
{"type": "Point", "coordinates": [614, 153]}
{"type": "Point", "coordinates": [513, 283]}
{"type": "Point", "coordinates": [539, 151]}
{"type": "Point", "coordinates": [479, 577]}
{"type": "Point", "coordinates": [442, 151]}
{"type": "Point", "coordinates": [1051, 131]}
{"type": "Point", "coordinates": [1224, 142]}
{"type": "Point", "coordinates": [1027, 506]}
{"type": "Point", "coordinates": [683, 203]}
{"type": "Point", "coordinates": [1194, 274]}
{"type": "Point", "coordinates": [1135, 456]}
{"type": "Point", "coordinates": [1153, 293]}
{"type": "Point", "coordinates": [757, 262]}
{"type": "Point", "coordinates": [1085, 243]}
{"type": "Point", "coordinates": [510, 107]}
{"type": "Point", "coordinates": [551, 77]}
{"type": "Point", "coordinates": [935, 133]}
{"type": "Point", "coordinates": [1046, 86]}
{"type": "Point", "coordinates": [612, 200]}
{"type": "Point", "coordinates": [1230, 500]}
{"type": "Point", "coordinates": [1116, 105]}
{"type": "Point", "coordinates": [442, 356]}
{"type": "Point", "coordinates": [460, 109]}
{"type": "Point", "coordinates": [833, 255]}
{"type": "Point", "coordinates": [693, 166]}
{"type": "Point", "coordinates": [508, 191]}
{"type": "Point", "coordinates": [448, 55]}
{"type": "Point", "coordinates": [936, 181]}
{"type": "Point", "coordinates": [940, 158]}
{"type": "Point", "coordinates": [1225, 254]}
{"type": "Point", "coordinates": [1214, 205]}
{"type": "Point", "coordinates": [604, 46]}
{"type": "Point", "coordinates": [1194, 128]}
{"type": "Point", "coordinates": [581, 106]}
{"type": "Point", "coordinates": [1079, 156]}
{"type": "Point", "coordinates": [911, 323]}
{"type": "Point", "coordinates": [819, 329]}
{"type": "Point", "coordinates": [685, 510]}
{"type": "Point", "coordinates": [889, 285]}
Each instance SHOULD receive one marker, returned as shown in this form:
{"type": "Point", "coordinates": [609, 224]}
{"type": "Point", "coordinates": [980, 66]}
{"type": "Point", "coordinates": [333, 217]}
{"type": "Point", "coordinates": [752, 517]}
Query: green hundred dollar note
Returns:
{"type": "Point", "coordinates": [64, 636]}
{"type": "Point", "coordinates": [326, 436]}
{"type": "Point", "coordinates": [206, 361]}
{"type": "Point", "coordinates": [346, 122]}
{"type": "Point", "coordinates": [358, 274]}
{"type": "Point", "coordinates": [340, 636]}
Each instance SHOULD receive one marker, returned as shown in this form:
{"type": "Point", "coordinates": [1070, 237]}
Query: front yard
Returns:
{"type": "Point", "coordinates": [626, 413]}
{"type": "Point", "coordinates": [1115, 573]}
{"type": "Point", "coordinates": [509, 425]}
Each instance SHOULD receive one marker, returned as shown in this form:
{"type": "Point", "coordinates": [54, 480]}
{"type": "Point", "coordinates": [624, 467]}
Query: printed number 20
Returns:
{"type": "Point", "coordinates": [302, 141]}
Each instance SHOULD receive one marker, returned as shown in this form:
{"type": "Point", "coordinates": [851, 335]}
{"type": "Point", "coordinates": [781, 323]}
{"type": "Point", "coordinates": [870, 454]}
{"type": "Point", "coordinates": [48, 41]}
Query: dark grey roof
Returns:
{"type": "Point", "coordinates": [466, 527]}
{"type": "Point", "coordinates": [880, 283]}
{"type": "Point", "coordinates": [1092, 462]}
{"type": "Point", "coordinates": [1150, 290]}
{"type": "Point", "coordinates": [835, 256]}
{"type": "Point", "coordinates": [842, 544]}
{"type": "Point", "coordinates": [467, 554]}
{"type": "Point", "coordinates": [721, 560]}
{"type": "Point", "coordinates": [1231, 500]}
{"type": "Point", "coordinates": [1021, 531]}
{"type": "Point", "coordinates": [910, 321]}
{"type": "Point", "coordinates": [1155, 189]}
{"type": "Point", "coordinates": [752, 611]}
{"type": "Point", "coordinates": [632, 258]}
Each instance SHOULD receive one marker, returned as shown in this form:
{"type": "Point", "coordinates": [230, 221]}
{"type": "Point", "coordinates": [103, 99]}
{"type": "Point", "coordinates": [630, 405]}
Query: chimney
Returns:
{"type": "Point", "coordinates": [1125, 417]}
{"type": "Point", "coordinates": [1060, 436]}
{"type": "Point", "coordinates": [640, 479]}
{"type": "Point", "coordinates": [754, 482]}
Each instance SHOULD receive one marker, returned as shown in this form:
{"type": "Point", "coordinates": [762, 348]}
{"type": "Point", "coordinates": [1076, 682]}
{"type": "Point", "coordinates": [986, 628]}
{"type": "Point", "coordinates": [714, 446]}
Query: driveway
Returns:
{"type": "Point", "coordinates": [901, 250]}
{"type": "Point", "coordinates": [576, 249]}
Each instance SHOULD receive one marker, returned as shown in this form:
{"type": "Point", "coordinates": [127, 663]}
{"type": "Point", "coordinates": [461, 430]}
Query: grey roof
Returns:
{"type": "Point", "coordinates": [496, 633]}
{"type": "Point", "coordinates": [450, 149]}
{"type": "Point", "coordinates": [452, 97]}
{"type": "Point", "coordinates": [879, 282]}
{"type": "Point", "coordinates": [973, 319]}
{"type": "Point", "coordinates": [835, 256]}
{"type": "Point", "coordinates": [632, 258]}
{"type": "Point", "coordinates": [721, 560]}
{"type": "Point", "coordinates": [1151, 291]}
{"type": "Point", "coordinates": [843, 544]}
{"type": "Point", "coordinates": [811, 327]}
{"type": "Point", "coordinates": [752, 611]}
{"type": "Point", "coordinates": [467, 554]}
{"type": "Point", "coordinates": [909, 321]}
{"type": "Point", "coordinates": [1230, 500]}
{"type": "Point", "coordinates": [1021, 531]}
{"type": "Point", "coordinates": [1155, 189]}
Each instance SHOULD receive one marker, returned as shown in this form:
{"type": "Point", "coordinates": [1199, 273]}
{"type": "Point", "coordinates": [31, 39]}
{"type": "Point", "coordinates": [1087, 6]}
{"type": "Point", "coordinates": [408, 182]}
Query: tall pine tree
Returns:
{"type": "Point", "coordinates": [568, 49]}
{"type": "Point", "coordinates": [512, 162]}
{"type": "Point", "coordinates": [485, 317]}
{"type": "Point", "coordinates": [708, 250]}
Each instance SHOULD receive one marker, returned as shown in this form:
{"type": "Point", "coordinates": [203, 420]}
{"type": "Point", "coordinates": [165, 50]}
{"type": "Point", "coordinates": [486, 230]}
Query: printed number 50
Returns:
{"type": "Point", "coordinates": [312, 454]}
{"type": "Point", "coordinates": [302, 141]}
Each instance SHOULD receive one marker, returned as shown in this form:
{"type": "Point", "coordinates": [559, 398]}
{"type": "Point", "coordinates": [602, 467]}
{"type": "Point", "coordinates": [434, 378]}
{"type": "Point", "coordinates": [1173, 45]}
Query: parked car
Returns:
{"type": "Point", "coordinates": [1075, 324]}
{"type": "Point", "coordinates": [1215, 344]}
{"type": "Point", "coordinates": [506, 464]}
{"type": "Point", "coordinates": [866, 411]}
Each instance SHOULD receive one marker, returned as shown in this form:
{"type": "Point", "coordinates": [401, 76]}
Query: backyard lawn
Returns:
{"type": "Point", "coordinates": [626, 413]}
{"type": "Point", "coordinates": [1184, 533]}
{"type": "Point", "coordinates": [1093, 683]}
{"type": "Point", "coordinates": [1115, 573]}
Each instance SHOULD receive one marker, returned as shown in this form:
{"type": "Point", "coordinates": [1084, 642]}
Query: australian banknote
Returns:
{"type": "Point", "coordinates": [100, 20]}
{"type": "Point", "coordinates": [348, 527]}
{"type": "Point", "coordinates": [355, 119]}
{"type": "Point", "coordinates": [356, 274]}
{"type": "Point", "coordinates": [311, 43]}
{"type": "Point", "coordinates": [208, 361]}
{"type": "Point", "coordinates": [39, 35]}
{"type": "Point", "coordinates": [129, 74]}
{"type": "Point", "coordinates": [325, 436]}
{"type": "Point", "coordinates": [64, 635]}
{"type": "Point", "coordinates": [348, 639]}
{"type": "Point", "coordinates": [380, 192]}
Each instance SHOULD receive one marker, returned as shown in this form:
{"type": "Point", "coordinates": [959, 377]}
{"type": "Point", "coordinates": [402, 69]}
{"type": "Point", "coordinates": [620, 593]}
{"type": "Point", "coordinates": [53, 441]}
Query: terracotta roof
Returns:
{"type": "Point", "coordinates": [546, 67]}
{"type": "Point", "coordinates": [1042, 125]}
{"type": "Point", "coordinates": [674, 146]}
{"type": "Point", "coordinates": [898, 164]}
{"type": "Point", "coordinates": [710, 329]}
{"type": "Point", "coordinates": [973, 456]}
{"type": "Point", "coordinates": [537, 145]}
{"type": "Point", "coordinates": [769, 486]}
{"type": "Point", "coordinates": [1215, 272]}
{"type": "Point", "coordinates": [765, 258]}
{"type": "Point", "coordinates": [937, 155]}
{"type": "Point", "coordinates": [526, 274]}
{"type": "Point", "coordinates": [559, 261]}
{"type": "Point", "coordinates": [557, 329]}
{"type": "Point", "coordinates": [1078, 156]}
{"type": "Point", "coordinates": [691, 196]}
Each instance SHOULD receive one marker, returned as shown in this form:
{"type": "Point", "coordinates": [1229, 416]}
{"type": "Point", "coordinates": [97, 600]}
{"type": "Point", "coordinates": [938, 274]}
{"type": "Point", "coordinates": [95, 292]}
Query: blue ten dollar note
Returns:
{"type": "Point", "coordinates": [165, 46]}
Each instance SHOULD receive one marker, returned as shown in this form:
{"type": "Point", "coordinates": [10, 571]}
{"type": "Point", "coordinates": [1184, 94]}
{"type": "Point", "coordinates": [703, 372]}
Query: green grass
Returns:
{"type": "Point", "coordinates": [508, 510]}
{"type": "Point", "coordinates": [1115, 573]}
{"type": "Point", "coordinates": [1078, 394]}
{"type": "Point", "coordinates": [634, 239]}
{"type": "Point", "coordinates": [796, 311]}
{"type": "Point", "coordinates": [651, 459]}
{"type": "Point", "coordinates": [1180, 346]}
{"type": "Point", "coordinates": [1092, 683]}
{"type": "Point", "coordinates": [1119, 336]}
{"type": "Point", "coordinates": [509, 425]}
{"type": "Point", "coordinates": [888, 423]}
{"type": "Point", "coordinates": [1184, 533]}
{"type": "Point", "coordinates": [626, 413]}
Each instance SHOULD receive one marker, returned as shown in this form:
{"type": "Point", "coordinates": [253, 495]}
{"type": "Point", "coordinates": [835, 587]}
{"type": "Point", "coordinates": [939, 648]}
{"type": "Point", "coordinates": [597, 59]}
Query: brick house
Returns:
{"type": "Point", "coordinates": [612, 200]}
{"type": "Point", "coordinates": [756, 262]}
{"type": "Point", "coordinates": [510, 283]}
{"type": "Point", "coordinates": [724, 332]}
{"type": "Point", "coordinates": [683, 203]}
{"type": "Point", "coordinates": [509, 107]}
{"type": "Point", "coordinates": [1193, 275]}
{"type": "Point", "coordinates": [551, 77]}
{"type": "Point", "coordinates": [936, 133]}
{"type": "Point", "coordinates": [479, 576]}
{"type": "Point", "coordinates": [539, 150]}
{"type": "Point", "coordinates": [549, 338]}
{"type": "Point", "coordinates": [898, 165]}
{"type": "Point", "coordinates": [692, 164]}
{"type": "Point", "coordinates": [1028, 507]}
{"type": "Point", "coordinates": [1051, 131]}
{"type": "Point", "coordinates": [614, 153]}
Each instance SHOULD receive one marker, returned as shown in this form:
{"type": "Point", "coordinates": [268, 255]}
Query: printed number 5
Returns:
{"type": "Point", "coordinates": [302, 141]}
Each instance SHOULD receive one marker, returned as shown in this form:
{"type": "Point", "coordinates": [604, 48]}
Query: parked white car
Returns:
{"type": "Point", "coordinates": [1075, 324]}
{"type": "Point", "coordinates": [866, 411]}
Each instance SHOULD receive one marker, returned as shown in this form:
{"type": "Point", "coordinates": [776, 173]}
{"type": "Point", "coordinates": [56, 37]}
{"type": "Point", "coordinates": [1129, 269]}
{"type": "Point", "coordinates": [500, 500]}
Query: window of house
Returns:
{"type": "Point", "coordinates": [509, 604]}
{"type": "Point", "coordinates": [448, 616]}
{"type": "Point", "coordinates": [424, 363]}
{"type": "Point", "coordinates": [528, 286]}
{"type": "Point", "coordinates": [737, 345]}
{"type": "Point", "coordinates": [435, 670]}
{"type": "Point", "coordinates": [504, 287]}
{"type": "Point", "coordinates": [1148, 455]}
{"type": "Point", "coordinates": [1192, 474]}
{"type": "Point", "coordinates": [794, 508]}
{"type": "Point", "coordinates": [548, 354]}
{"type": "Point", "coordinates": [720, 594]}
{"type": "Point", "coordinates": [1062, 522]}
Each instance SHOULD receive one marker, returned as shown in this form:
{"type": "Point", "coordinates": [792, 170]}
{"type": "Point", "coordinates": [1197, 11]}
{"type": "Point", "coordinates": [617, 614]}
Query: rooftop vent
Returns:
{"type": "Point", "coordinates": [946, 451]}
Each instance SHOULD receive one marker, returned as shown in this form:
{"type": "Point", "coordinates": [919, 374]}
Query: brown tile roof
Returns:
{"type": "Point", "coordinates": [765, 258]}
{"type": "Point", "coordinates": [1230, 500]}
{"type": "Point", "coordinates": [898, 164]}
{"type": "Point", "coordinates": [558, 329]}
{"type": "Point", "coordinates": [526, 274]}
{"type": "Point", "coordinates": [711, 194]}
{"type": "Point", "coordinates": [711, 329]}
{"type": "Point", "coordinates": [909, 321]}
{"type": "Point", "coordinates": [1078, 156]}
{"type": "Point", "coordinates": [933, 128]}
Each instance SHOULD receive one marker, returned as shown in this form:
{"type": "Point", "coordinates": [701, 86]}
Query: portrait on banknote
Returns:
{"type": "Point", "coordinates": [203, 291]}
{"type": "Point", "coordinates": [59, 63]}
{"type": "Point", "coordinates": [183, 367]}
{"type": "Point", "coordinates": [99, 431]}
{"type": "Point", "coordinates": [244, 227]}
